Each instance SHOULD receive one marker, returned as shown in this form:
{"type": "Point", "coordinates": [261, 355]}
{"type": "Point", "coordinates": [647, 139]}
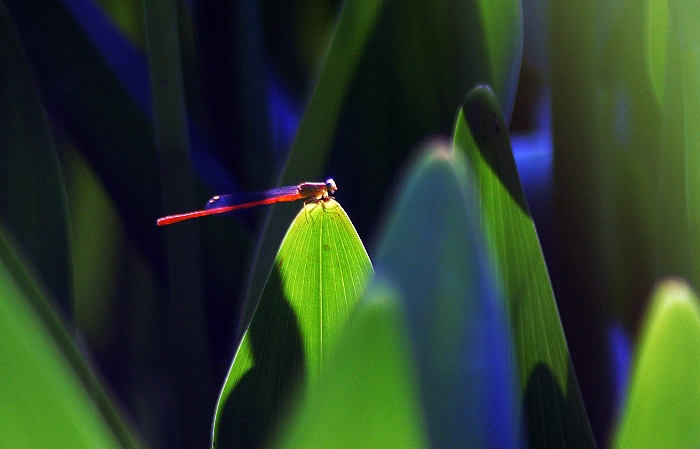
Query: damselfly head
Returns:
{"type": "Point", "coordinates": [330, 185]}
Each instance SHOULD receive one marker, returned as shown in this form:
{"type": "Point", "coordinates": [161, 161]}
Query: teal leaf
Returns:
{"type": "Point", "coordinates": [431, 252]}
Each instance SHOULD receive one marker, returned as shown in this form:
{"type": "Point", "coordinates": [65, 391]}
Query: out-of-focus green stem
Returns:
{"type": "Point", "coordinates": [185, 311]}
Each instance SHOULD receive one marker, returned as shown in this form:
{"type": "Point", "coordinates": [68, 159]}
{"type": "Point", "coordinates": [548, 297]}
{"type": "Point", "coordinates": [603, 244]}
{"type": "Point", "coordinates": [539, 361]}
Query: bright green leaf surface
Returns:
{"type": "Point", "coordinates": [431, 252]}
{"type": "Point", "coordinates": [32, 193]}
{"type": "Point", "coordinates": [48, 398]}
{"type": "Point", "coordinates": [663, 408]}
{"type": "Point", "coordinates": [320, 272]}
{"type": "Point", "coordinates": [367, 395]}
{"type": "Point", "coordinates": [551, 399]}
{"type": "Point", "coordinates": [421, 61]}
{"type": "Point", "coordinates": [312, 145]}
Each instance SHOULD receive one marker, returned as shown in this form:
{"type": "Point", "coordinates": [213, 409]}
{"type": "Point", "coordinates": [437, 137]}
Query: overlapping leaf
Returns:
{"type": "Point", "coordinates": [431, 252]}
{"type": "Point", "coordinates": [367, 395]}
{"type": "Point", "coordinates": [404, 68]}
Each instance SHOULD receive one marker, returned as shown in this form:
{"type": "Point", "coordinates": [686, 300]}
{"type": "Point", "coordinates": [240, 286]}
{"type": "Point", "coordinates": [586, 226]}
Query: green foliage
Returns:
{"type": "Point", "coordinates": [48, 393]}
{"type": "Point", "coordinates": [320, 272]}
{"type": "Point", "coordinates": [312, 143]}
{"type": "Point", "coordinates": [552, 402]}
{"type": "Point", "coordinates": [625, 126]}
{"type": "Point", "coordinates": [480, 42]}
{"type": "Point", "coordinates": [663, 407]}
{"type": "Point", "coordinates": [367, 394]}
{"type": "Point", "coordinates": [458, 341]}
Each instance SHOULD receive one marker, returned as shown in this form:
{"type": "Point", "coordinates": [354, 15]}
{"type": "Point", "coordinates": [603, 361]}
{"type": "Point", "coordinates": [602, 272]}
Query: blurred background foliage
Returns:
{"type": "Point", "coordinates": [605, 128]}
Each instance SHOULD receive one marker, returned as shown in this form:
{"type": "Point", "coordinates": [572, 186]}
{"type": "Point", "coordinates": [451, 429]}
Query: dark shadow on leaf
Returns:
{"type": "Point", "coordinates": [551, 418]}
{"type": "Point", "coordinates": [490, 132]}
{"type": "Point", "coordinates": [256, 405]}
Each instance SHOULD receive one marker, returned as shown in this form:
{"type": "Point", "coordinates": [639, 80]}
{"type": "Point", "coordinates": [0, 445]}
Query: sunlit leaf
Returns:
{"type": "Point", "coordinates": [552, 404]}
{"type": "Point", "coordinates": [663, 407]}
{"type": "Point", "coordinates": [313, 140]}
{"type": "Point", "coordinates": [49, 397]}
{"type": "Point", "coordinates": [320, 272]}
{"type": "Point", "coordinates": [367, 395]}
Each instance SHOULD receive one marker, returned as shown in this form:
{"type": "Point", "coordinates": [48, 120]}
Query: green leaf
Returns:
{"type": "Point", "coordinates": [49, 397]}
{"type": "Point", "coordinates": [663, 407]}
{"type": "Point", "coordinates": [367, 395]}
{"type": "Point", "coordinates": [551, 399]}
{"type": "Point", "coordinates": [320, 271]}
{"type": "Point", "coordinates": [399, 66]}
{"type": "Point", "coordinates": [32, 192]}
{"type": "Point", "coordinates": [312, 145]}
{"type": "Point", "coordinates": [431, 252]}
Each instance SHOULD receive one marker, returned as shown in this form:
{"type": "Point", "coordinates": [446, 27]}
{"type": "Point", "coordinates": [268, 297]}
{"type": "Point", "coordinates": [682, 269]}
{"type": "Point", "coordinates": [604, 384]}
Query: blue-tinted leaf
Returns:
{"type": "Point", "coordinates": [431, 252]}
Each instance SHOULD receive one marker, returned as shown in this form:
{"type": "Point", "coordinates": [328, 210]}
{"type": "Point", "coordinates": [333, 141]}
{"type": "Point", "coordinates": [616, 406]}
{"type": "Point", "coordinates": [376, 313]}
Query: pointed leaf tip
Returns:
{"type": "Point", "coordinates": [320, 271]}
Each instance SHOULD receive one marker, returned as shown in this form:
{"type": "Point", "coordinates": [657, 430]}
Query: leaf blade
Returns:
{"type": "Point", "coordinates": [552, 401]}
{"type": "Point", "coordinates": [320, 272]}
{"type": "Point", "coordinates": [370, 369]}
{"type": "Point", "coordinates": [430, 251]}
{"type": "Point", "coordinates": [44, 378]}
{"type": "Point", "coordinates": [663, 405]}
